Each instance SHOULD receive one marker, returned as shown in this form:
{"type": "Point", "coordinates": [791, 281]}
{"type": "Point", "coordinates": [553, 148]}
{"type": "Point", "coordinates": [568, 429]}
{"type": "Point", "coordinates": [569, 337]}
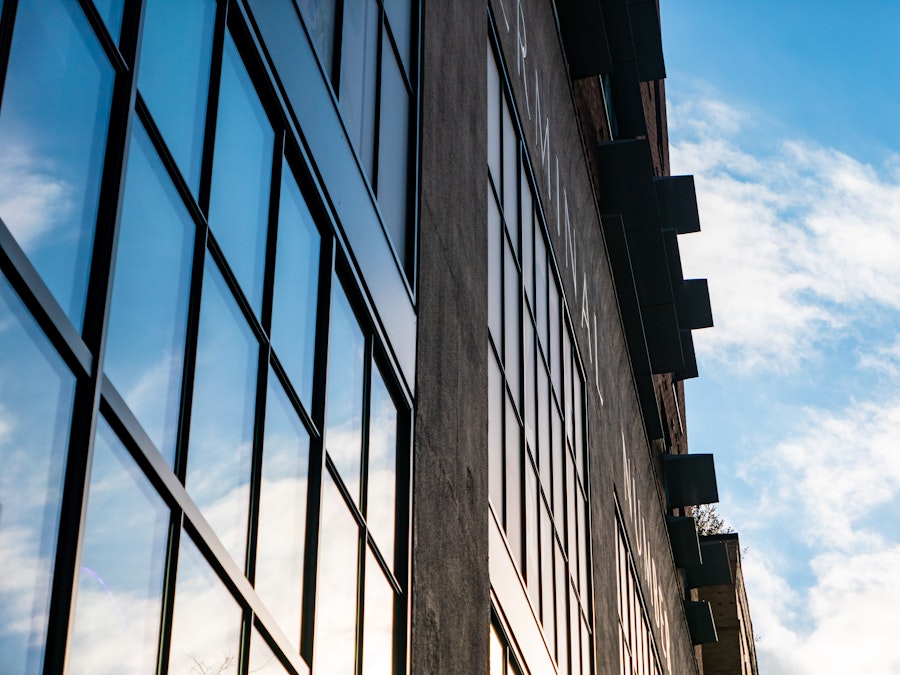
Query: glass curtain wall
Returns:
{"type": "Point", "coordinates": [638, 654]}
{"type": "Point", "coordinates": [206, 446]}
{"type": "Point", "coordinates": [537, 439]}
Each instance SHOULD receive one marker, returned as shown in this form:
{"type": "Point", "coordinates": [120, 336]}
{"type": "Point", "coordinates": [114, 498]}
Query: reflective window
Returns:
{"type": "Point", "coordinates": [637, 647]}
{"type": "Point", "coordinates": [148, 314]}
{"type": "Point", "coordinates": [218, 466]}
{"type": "Point", "coordinates": [262, 659]}
{"type": "Point", "coordinates": [121, 573]}
{"type": "Point", "coordinates": [378, 624]}
{"type": "Point", "coordinates": [510, 176]}
{"type": "Point", "coordinates": [496, 647]}
{"type": "Point", "coordinates": [36, 395]}
{"type": "Point", "coordinates": [176, 49]}
{"type": "Point", "coordinates": [512, 316]}
{"type": "Point", "coordinates": [495, 274]}
{"type": "Point", "coordinates": [359, 73]}
{"type": "Point", "coordinates": [206, 624]}
{"type": "Point", "coordinates": [296, 288]}
{"type": "Point", "coordinates": [513, 461]}
{"type": "Point", "coordinates": [111, 12]}
{"type": "Point", "coordinates": [343, 429]}
{"type": "Point", "coordinates": [53, 139]}
{"type": "Point", "coordinates": [241, 180]}
{"type": "Point", "coordinates": [319, 17]}
{"type": "Point", "coordinates": [335, 631]}
{"type": "Point", "coordinates": [495, 434]}
{"type": "Point", "coordinates": [393, 155]}
{"type": "Point", "coordinates": [399, 13]}
{"type": "Point", "coordinates": [282, 512]}
{"type": "Point", "coordinates": [493, 115]}
{"type": "Point", "coordinates": [382, 472]}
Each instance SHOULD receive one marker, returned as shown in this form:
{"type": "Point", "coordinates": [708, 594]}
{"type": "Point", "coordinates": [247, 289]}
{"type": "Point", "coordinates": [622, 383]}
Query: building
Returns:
{"type": "Point", "coordinates": [735, 650]}
{"type": "Point", "coordinates": [347, 335]}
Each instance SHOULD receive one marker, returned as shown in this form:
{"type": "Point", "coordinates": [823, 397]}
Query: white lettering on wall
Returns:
{"type": "Point", "coordinates": [542, 138]}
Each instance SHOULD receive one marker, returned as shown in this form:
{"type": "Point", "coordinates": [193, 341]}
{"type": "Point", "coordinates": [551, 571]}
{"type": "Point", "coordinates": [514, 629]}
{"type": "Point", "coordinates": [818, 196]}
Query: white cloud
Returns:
{"type": "Point", "coordinates": [798, 243]}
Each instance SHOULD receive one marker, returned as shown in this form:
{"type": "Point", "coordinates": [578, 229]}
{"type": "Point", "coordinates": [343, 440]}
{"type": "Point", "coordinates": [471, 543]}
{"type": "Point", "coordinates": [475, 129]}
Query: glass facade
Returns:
{"type": "Point", "coordinates": [538, 457]}
{"type": "Point", "coordinates": [638, 654]}
{"type": "Point", "coordinates": [206, 438]}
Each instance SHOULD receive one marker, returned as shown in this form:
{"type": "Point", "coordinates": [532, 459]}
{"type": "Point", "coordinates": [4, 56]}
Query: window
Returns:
{"type": "Point", "coordinates": [638, 654]}
{"type": "Point", "coordinates": [538, 460]}
{"type": "Point", "coordinates": [365, 48]}
{"type": "Point", "coordinates": [206, 440]}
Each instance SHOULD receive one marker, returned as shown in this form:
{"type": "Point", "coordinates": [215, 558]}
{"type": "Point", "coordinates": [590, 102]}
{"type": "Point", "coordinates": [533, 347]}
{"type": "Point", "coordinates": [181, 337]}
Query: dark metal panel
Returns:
{"type": "Point", "coordinates": [700, 622]}
{"type": "Point", "coordinates": [584, 37]}
{"type": "Point", "coordinates": [649, 406]}
{"type": "Point", "coordinates": [690, 480]}
{"type": "Point", "coordinates": [626, 182]}
{"type": "Point", "coordinates": [690, 358]}
{"type": "Point", "coordinates": [715, 570]}
{"type": "Point", "coordinates": [692, 300]}
{"type": "Point", "coordinates": [627, 101]}
{"type": "Point", "coordinates": [647, 37]}
{"type": "Point", "coordinates": [317, 116]}
{"type": "Point", "coordinates": [677, 198]}
{"type": "Point", "coordinates": [663, 338]}
{"type": "Point", "coordinates": [673, 255]}
{"type": "Point", "coordinates": [626, 292]}
{"type": "Point", "coordinates": [650, 262]}
{"type": "Point", "coordinates": [684, 540]}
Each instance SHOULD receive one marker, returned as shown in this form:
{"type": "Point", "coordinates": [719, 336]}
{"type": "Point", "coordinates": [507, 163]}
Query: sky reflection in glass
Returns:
{"type": "Point", "coordinates": [319, 17]}
{"type": "Point", "coordinates": [343, 427]}
{"type": "Point", "coordinates": [262, 660]}
{"type": "Point", "coordinates": [148, 315]}
{"type": "Point", "coordinates": [206, 625]}
{"type": "Point", "coordinates": [242, 172]}
{"type": "Point", "coordinates": [36, 395]}
{"type": "Point", "coordinates": [335, 632]}
{"type": "Point", "coordinates": [282, 512]}
{"type": "Point", "coordinates": [111, 12]}
{"type": "Point", "coordinates": [218, 465]}
{"type": "Point", "coordinates": [296, 288]}
{"type": "Point", "coordinates": [53, 139]}
{"type": "Point", "coordinates": [121, 572]}
{"type": "Point", "coordinates": [378, 624]}
{"type": "Point", "coordinates": [382, 476]}
{"type": "Point", "coordinates": [173, 78]}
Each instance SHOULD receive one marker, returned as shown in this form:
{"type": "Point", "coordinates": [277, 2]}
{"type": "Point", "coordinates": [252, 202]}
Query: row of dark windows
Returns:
{"type": "Point", "coordinates": [638, 654]}
{"type": "Point", "coordinates": [206, 449]}
{"type": "Point", "coordinates": [537, 439]}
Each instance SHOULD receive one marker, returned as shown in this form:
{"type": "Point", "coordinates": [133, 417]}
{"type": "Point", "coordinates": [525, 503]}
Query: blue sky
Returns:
{"type": "Point", "coordinates": [787, 114]}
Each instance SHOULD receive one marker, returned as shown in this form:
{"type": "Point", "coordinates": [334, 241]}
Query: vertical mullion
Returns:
{"type": "Point", "coordinates": [337, 49]}
{"type": "Point", "coordinates": [212, 106]}
{"type": "Point", "coordinates": [272, 235]}
{"type": "Point", "coordinates": [173, 546]}
{"type": "Point", "coordinates": [246, 638]}
{"type": "Point", "coordinates": [368, 365]}
{"type": "Point", "coordinates": [85, 413]}
{"type": "Point", "coordinates": [7, 19]}
{"type": "Point", "coordinates": [376, 136]}
{"type": "Point", "coordinates": [317, 446]}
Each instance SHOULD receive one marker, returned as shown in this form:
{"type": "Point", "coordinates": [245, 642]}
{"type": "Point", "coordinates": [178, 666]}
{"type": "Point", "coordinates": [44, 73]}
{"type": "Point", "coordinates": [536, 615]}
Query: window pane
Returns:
{"type": "Point", "coordinates": [318, 15]}
{"type": "Point", "coordinates": [554, 350]}
{"type": "Point", "coordinates": [574, 633]}
{"type": "Point", "coordinates": [510, 176]}
{"type": "Point", "coordinates": [393, 155]}
{"type": "Point", "coordinates": [571, 518]}
{"type": "Point", "coordinates": [206, 625]}
{"type": "Point", "coordinates": [586, 648]}
{"type": "Point", "coordinates": [359, 76]}
{"type": "Point", "coordinates": [547, 577]}
{"type": "Point", "coordinates": [282, 512]}
{"type": "Point", "coordinates": [382, 477]}
{"type": "Point", "coordinates": [513, 483]}
{"type": "Point", "coordinates": [218, 468]}
{"type": "Point", "coordinates": [567, 399]}
{"type": "Point", "coordinates": [343, 429]}
{"type": "Point", "coordinates": [543, 411]}
{"type": "Point", "coordinates": [562, 629]}
{"type": "Point", "coordinates": [399, 14]}
{"type": "Point", "coordinates": [378, 625]}
{"type": "Point", "coordinates": [111, 12]}
{"type": "Point", "coordinates": [148, 315]}
{"type": "Point", "coordinates": [495, 272]}
{"type": "Point", "coordinates": [335, 631]}
{"type": "Point", "coordinates": [495, 435]}
{"type": "Point", "coordinates": [527, 234]}
{"type": "Point", "coordinates": [540, 291]}
{"type": "Point", "coordinates": [122, 560]}
{"type": "Point", "coordinates": [493, 116]}
{"type": "Point", "coordinates": [36, 394]}
{"type": "Point", "coordinates": [262, 659]}
{"type": "Point", "coordinates": [532, 543]}
{"type": "Point", "coordinates": [296, 288]}
{"type": "Point", "coordinates": [577, 406]}
{"type": "Point", "coordinates": [583, 539]}
{"type": "Point", "coordinates": [559, 455]}
{"type": "Point", "coordinates": [496, 653]}
{"type": "Point", "coordinates": [241, 180]}
{"type": "Point", "coordinates": [531, 422]}
{"type": "Point", "coordinates": [173, 78]}
{"type": "Point", "coordinates": [53, 138]}
{"type": "Point", "coordinates": [512, 358]}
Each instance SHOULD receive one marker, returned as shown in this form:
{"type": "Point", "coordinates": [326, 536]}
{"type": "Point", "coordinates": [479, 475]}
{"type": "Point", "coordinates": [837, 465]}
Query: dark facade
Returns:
{"type": "Point", "coordinates": [345, 336]}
